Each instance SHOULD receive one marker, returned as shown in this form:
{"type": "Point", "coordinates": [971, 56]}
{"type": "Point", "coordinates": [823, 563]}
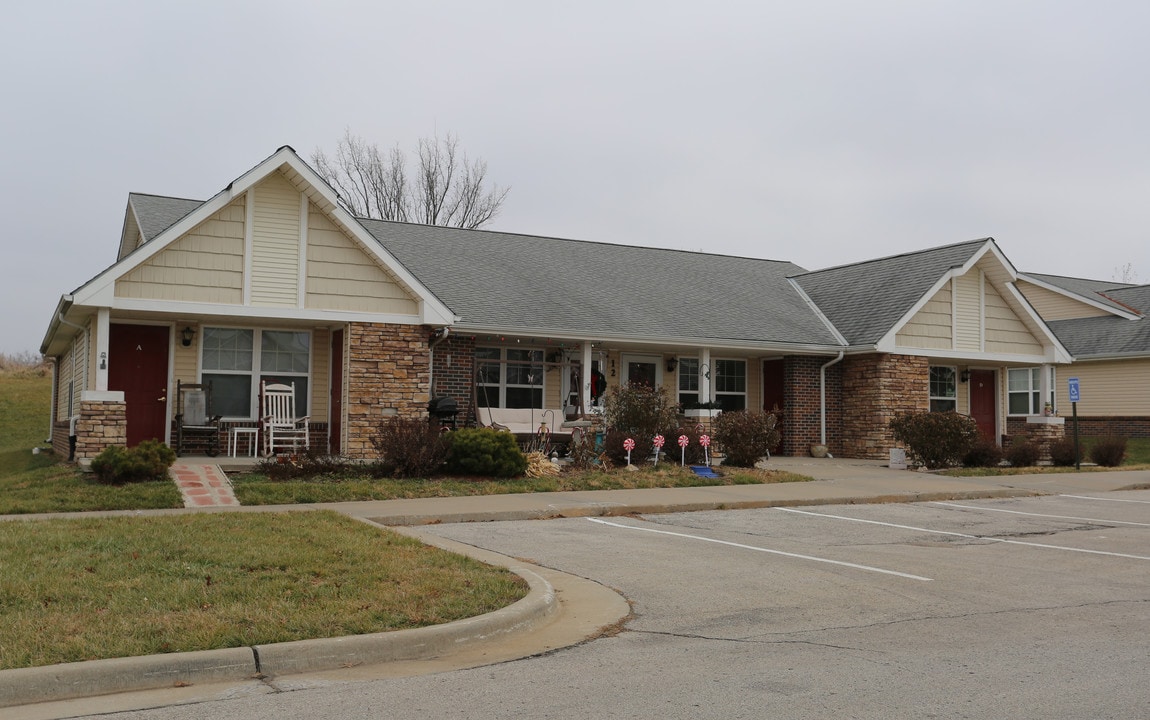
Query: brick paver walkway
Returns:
{"type": "Point", "coordinates": [202, 485]}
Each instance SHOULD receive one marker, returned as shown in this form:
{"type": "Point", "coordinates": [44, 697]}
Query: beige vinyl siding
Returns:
{"type": "Point", "coordinates": [275, 243]}
{"type": "Point", "coordinates": [341, 276]}
{"type": "Point", "coordinates": [1113, 387]}
{"type": "Point", "coordinates": [968, 311]}
{"type": "Point", "coordinates": [931, 326]}
{"type": "Point", "coordinates": [320, 374]}
{"type": "Point", "coordinates": [1054, 306]}
{"type": "Point", "coordinates": [1005, 333]}
{"type": "Point", "coordinates": [552, 388]}
{"type": "Point", "coordinates": [73, 369]}
{"type": "Point", "coordinates": [205, 265]}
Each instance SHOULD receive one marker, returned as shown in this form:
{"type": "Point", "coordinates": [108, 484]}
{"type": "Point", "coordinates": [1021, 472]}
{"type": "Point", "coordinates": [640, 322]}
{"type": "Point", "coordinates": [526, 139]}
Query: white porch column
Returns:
{"type": "Point", "coordinates": [585, 376]}
{"type": "Point", "coordinates": [705, 372]}
{"type": "Point", "coordinates": [103, 322]}
{"type": "Point", "coordinates": [1044, 388]}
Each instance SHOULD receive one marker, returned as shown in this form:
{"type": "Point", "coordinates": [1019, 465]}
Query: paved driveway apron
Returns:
{"type": "Point", "coordinates": [1022, 608]}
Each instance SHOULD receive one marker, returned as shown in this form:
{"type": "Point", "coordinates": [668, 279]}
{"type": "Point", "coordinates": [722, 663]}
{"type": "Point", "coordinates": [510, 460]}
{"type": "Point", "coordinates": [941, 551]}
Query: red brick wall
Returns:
{"type": "Point", "coordinates": [875, 389]}
{"type": "Point", "coordinates": [454, 361]}
{"type": "Point", "coordinates": [1127, 427]}
{"type": "Point", "coordinates": [801, 417]}
{"type": "Point", "coordinates": [388, 373]}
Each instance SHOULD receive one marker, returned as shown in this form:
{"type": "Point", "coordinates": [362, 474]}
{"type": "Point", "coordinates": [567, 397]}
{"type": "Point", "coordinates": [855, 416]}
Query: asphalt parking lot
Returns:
{"type": "Point", "coordinates": [1030, 607]}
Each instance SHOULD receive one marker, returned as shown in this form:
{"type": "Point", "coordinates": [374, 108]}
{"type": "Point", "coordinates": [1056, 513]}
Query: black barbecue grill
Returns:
{"type": "Point", "coordinates": [443, 410]}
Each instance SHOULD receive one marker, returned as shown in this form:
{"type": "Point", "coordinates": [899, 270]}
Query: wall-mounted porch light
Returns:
{"type": "Point", "coordinates": [672, 364]}
{"type": "Point", "coordinates": [187, 335]}
{"type": "Point", "coordinates": [964, 376]}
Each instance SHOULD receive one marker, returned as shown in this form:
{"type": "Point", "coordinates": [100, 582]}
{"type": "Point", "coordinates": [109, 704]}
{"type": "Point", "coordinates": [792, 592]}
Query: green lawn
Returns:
{"type": "Point", "coordinates": [115, 587]}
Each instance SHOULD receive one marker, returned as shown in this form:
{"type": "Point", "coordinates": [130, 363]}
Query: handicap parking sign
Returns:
{"type": "Point", "coordinates": [1075, 395]}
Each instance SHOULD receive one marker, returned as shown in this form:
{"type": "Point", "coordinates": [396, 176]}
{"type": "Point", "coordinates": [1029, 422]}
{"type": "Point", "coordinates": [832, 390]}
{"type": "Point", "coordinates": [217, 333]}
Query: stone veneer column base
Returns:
{"type": "Point", "coordinates": [102, 423]}
{"type": "Point", "coordinates": [388, 375]}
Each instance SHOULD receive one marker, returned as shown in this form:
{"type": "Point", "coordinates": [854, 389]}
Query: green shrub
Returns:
{"type": "Point", "coordinates": [935, 439]}
{"type": "Point", "coordinates": [1021, 452]}
{"type": "Point", "coordinates": [1109, 451]}
{"type": "Point", "coordinates": [984, 453]}
{"type": "Point", "coordinates": [1062, 452]}
{"type": "Point", "coordinates": [745, 436]}
{"type": "Point", "coordinates": [409, 447]}
{"type": "Point", "coordinates": [484, 451]}
{"type": "Point", "coordinates": [149, 460]}
{"type": "Point", "coordinates": [639, 411]}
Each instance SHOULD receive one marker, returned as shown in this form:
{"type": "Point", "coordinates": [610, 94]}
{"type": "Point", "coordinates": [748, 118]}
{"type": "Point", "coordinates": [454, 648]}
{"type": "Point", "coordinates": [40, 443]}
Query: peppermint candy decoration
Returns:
{"type": "Point", "coordinates": [659, 441]}
{"type": "Point", "coordinates": [705, 440]}
{"type": "Point", "coordinates": [684, 441]}
{"type": "Point", "coordinates": [628, 444]}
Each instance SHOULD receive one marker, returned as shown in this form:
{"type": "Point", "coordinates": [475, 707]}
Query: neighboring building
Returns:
{"type": "Point", "coordinates": [272, 280]}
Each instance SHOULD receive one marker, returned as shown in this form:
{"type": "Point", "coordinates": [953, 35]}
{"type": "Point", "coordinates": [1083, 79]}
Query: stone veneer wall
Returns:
{"type": "Point", "coordinates": [388, 373]}
{"type": "Point", "coordinates": [875, 389]}
{"type": "Point", "coordinates": [102, 423]}
{"type": "Point", "coordinates": [801, 421]}
{"type": "Point", "coordinates": [454, 362]}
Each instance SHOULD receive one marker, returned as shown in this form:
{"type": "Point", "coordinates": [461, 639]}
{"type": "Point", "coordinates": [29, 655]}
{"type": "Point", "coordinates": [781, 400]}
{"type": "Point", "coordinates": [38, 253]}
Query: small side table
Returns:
{"type": "Point", "coordinates": [252, 434]}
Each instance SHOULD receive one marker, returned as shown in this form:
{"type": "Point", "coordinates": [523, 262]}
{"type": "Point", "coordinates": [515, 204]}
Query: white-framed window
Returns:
{"type": "Point", "coordinates": [509, 377]}
{"type": "Point", "coordinates": [688, 381]}
{"type": "Point", "coordinates": [236, 360]}
{"type": "Point", "coordinates": [943, 388]}
{"type": "Point", "coordinates": [730, 379]}
{"type": "Point", "coordinates": [1024, 391]}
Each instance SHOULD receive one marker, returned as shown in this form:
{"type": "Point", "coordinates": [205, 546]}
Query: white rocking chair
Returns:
{"type": "Point", "coordinates": [282, 430]}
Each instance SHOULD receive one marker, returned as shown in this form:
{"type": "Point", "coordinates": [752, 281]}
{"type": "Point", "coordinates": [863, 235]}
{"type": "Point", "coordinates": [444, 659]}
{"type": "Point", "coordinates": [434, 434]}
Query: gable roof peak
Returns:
{"type": "Point", "coordinates": [901, 256]}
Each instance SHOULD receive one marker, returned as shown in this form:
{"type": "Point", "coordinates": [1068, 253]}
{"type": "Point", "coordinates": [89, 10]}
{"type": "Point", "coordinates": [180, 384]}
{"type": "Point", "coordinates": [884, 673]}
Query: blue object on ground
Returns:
{"type": "Point", "coordinates": [704, 471]}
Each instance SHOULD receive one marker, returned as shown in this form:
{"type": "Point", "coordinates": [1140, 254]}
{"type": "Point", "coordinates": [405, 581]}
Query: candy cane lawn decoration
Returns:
{"type": "Point", "coordinates": [628, 445]}
{"type": "Point", "coordinates": [658, 447]}
{"type": "Point", "coordinates": [684, 441]}
{"type": "Point", "coordinates": [705, 441]}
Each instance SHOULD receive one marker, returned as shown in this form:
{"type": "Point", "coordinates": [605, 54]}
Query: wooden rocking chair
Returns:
{"type": "Point", "coordinates": [282, 430]}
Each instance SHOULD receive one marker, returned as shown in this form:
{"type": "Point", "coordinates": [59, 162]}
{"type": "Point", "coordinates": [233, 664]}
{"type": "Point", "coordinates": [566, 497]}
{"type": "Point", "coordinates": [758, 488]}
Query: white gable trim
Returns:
{"type": "Point", "coordinates": [1086, 300]}
{"type": "Point", "coordinates": [101, 289]}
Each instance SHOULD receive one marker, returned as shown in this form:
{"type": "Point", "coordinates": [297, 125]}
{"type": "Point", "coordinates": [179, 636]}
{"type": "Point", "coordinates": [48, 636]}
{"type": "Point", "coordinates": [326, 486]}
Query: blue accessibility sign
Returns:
{"type": "Point", "coordinates": [1075, 393]}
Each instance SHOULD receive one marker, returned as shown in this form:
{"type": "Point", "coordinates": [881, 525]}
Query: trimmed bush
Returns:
{"type": "Point", "coordinates": [613, 447]}
{"type": "Point", "coordinates": [745, 436]}
{"type": "Point", "coordinates": [935, 439]}
{"type": "Point", "coordinates": [309, 466]}
{"type": "Point", "coordinates": [1062, 452]}
{"type": "Point", "coordinates": [984, 453]}
{"type": "Point", "coordinates": [409, 447]}
{"type": "Point", "coordinates": [149, 460]}
{"type": "Point", "coordinates": [1109, 451]}
{"type": "Point", "coordinates": [486, 452]}
{"type": "Point", "coordinates": [1021, 452]}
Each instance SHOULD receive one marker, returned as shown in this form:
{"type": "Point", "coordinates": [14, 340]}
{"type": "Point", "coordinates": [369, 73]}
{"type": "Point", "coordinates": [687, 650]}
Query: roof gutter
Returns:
{"type": "Point", "coordinates": [823, 397]}
{"type": "Point", "coordinates": [58, 320]}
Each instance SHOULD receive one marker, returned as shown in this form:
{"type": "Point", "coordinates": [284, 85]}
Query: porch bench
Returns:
{"type": "Point", "coordinates": [521, 421]}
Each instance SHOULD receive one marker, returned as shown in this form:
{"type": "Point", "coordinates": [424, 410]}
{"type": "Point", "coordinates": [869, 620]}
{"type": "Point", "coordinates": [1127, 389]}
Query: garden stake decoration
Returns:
{"type": "Point", "coordinates": [683, 442]}
{"type": "Point", "coordinates": [705, 441]}
{"type": "Point", "coordinates": [628, 445]}
{"type": "Point", "coordinates": [658, 448]}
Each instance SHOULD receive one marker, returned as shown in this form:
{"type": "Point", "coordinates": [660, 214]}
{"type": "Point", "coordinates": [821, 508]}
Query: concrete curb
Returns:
{"type": "Point", "coordinates": [25, 686]}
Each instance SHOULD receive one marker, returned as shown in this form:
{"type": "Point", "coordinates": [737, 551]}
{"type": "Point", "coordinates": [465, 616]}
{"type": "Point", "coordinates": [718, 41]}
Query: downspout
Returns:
{"type": "Point", "coordinates": [823, 397]}
{"type": "Point", "coordinates": [52, 407]}
{"type": "Point", "coordinates": [431, 359]}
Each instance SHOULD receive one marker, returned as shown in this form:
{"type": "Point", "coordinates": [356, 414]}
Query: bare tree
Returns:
{"type": "Point", "coordinates": [1126, 274]}
{"type": "Point", "coordinates": [445, 187]}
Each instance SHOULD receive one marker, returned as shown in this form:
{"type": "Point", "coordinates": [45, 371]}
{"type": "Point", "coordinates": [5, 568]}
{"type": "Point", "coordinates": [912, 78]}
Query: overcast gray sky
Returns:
{"type": "Point", "coordinates": [817, 132]}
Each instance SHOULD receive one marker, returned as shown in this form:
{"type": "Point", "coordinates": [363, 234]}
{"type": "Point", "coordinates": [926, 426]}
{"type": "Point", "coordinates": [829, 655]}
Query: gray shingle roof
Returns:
{"type": "Point", "coordinates": [157, 213]}
{"type": "Point", "coordinates": [865, 300]}
{"type": "Point", "coordinates": [1098, 290]}
{"type": "Point", "coordinates": [531, 283]}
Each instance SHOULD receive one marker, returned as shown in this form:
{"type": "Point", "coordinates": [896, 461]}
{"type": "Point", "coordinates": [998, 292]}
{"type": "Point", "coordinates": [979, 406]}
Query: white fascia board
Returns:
{"type": "Point", "coordinates": [992, 247]}
{"type": "Point", "coordinates": [247, 313]}
{"type": "Point", "coordinates": [101, 287]}
{"type": "Point", "coordinates": [975, 358]}
{"type": "Point", "coordinates": [714, 343]}
{"type": "Point", "coordinates": [819, 313]}
{"type": "Point", "coordinates": [1060, 354]}
{"type": "Point", "coordinates": [1086, 300]}
{"type": "Point", "coordinates": [1135, 355]}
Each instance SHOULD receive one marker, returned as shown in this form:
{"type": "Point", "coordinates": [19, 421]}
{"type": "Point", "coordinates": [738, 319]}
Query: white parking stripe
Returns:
{"type": "Point", "coordinates": [759, 549]}
{"type": "Point", "coordinates": [1057, 517]}
{"type": "Point", "coordinates": [964, 535]}
{"type": "Point", "coordinates": [1087, 497]}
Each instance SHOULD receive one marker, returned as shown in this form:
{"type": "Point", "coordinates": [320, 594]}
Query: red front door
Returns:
{"type": "Point", "coordinates": [773, 388]}
{"type": "Point", "coordinates": [138, 365]}
{"type": "Point", "coordinates": [335, 407]}
{"type": "Point", "coordinates": [982, 394]}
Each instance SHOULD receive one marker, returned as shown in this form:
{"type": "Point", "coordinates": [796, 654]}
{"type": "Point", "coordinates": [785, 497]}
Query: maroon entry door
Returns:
{"type": "Point", "coordinates": [773, 394]}
{"type": "Point", "coordinates": [982, 394]}
{"type": "Point", "coordinates": [138, 365]}
{"type": "Point", "coordinates": [335, 406]}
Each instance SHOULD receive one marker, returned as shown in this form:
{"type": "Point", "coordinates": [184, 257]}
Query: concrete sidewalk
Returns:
{"type": "Point", "coordinates": [560, 610]}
